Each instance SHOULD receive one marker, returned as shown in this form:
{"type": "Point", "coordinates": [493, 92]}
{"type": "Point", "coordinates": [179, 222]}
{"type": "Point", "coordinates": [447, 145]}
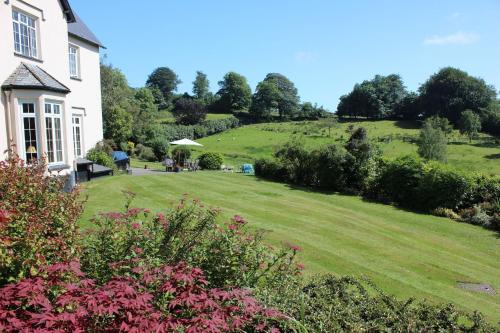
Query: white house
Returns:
{"type": "Point", "coordinates": [50, 82]}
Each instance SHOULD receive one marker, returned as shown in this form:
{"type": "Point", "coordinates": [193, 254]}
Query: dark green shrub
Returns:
{"type": "Point", "coordinates": [181, 153]}
{"type": "Point", "coordinates": [100, 157]}
{"type": "Point", "coordinates": [210, 161]}
{"type": "Point", "coordinates": [147, 154]}
{"type": "Point", "coordinates": [331, 164]}
{"type": "Point", "coordinates": [270, 169]}
{"type": "Point", "coordinates": [160, 148]}
{"type": "Point", "coordinates": [298, 162]}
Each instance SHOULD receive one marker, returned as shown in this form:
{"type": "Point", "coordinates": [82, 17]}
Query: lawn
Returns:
{"type": "Point", "coordinates": [405, 253]}
{"type": "Point", "coordinates": [245, 144]}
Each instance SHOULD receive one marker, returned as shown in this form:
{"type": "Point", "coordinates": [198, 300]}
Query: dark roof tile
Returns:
{"type": "Point", "coordinates": [27, 76]}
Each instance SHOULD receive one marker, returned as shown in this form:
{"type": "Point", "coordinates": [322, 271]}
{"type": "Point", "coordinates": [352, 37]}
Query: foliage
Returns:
{"type": "Point", "coordinates": [234, 94]}
{"type": "Point", "coordinates": [99, 156]}
{"type": "Point", "coordinates": [451, 91]}
{"type": "Point", "coordinates": [181, 153]}
{"type": "Point", "coordinates": [142, 299]}
{"type": "Point", "coordinates": [165, 80]}
{"type": "Point", "coordinates": [188, 111]}
{"type": "Point", "coordinates": [329, 303]}
{"type": "Point", "coordinates": [201, 86]}
{"type": "Point", "coordinates": [145, 111]}
{"type": "Point", "coordinates": [211, 161]}
{"type": "Point", "coordinates": [432, 143]}
{"type": "Point", "coordinates": [160, 148]}
{"type": "Point", "coordinates": [175, 132]}
{"type": "Point", "coordinates": [118, 124]}
{"type": "Point", "coordinates": [275, 93]}
{"type": "Point", "coordinates": [38, 221]}
{"type": "Point", "coordinates": [377, 98]}
{"type": "Point", "coordinates": [470, 124]}
{"type": "Point", "coordinates": [490, 119]}
{"type": "Point", "coordinates": [313, 112]}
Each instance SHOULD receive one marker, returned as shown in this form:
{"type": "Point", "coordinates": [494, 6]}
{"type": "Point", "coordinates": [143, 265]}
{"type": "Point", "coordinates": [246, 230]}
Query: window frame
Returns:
{"type": "Point", "coordinates": [27, 44]}
{"type": "Point", "coordinates": [53, 117]}
{"type": "Point", "coordinates": [74, 126]}
{"type": "Point", "coordinates": [76, 55]}
{"type": "Point", "coordinates": [23, 115]}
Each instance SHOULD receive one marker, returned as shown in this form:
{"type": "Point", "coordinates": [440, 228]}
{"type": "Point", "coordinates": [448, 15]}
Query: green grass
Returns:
{"type": "Point", "coordinates": [405, 253]}
{"type": "Point", "coordinates": [245, 144]}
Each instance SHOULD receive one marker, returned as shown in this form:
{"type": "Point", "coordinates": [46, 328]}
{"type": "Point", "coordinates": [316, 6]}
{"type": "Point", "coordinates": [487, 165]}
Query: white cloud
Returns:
{"type": "Point", "coordinates": [305, 57]}
{"type": "Point", "coordinates": [458, 38]}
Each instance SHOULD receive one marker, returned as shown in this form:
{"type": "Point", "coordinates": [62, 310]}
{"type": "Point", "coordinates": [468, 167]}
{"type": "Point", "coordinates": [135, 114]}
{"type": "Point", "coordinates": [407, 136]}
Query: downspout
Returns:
{"type": "Point", "coordinates": [7, 119]}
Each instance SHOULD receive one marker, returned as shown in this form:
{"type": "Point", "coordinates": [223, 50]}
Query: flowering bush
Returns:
{"type": "Point", "coordinates": [228, 253]}
{"type": "Point", "coordinates": [164, 299]}
{"type": "Point", "coordinates": [37, 219]}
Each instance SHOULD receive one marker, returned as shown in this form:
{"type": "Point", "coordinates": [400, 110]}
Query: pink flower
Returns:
{"type": "Point", "coordinates": [232, 227]}
{"type": "Point", "coordinates": [4, 216]}
{"type": "Point", "coordinates": [136, 225]}
{"type": "Point", "coordinates": [239, 219]}
{"type": "Point", "coordinates": [294, 248]}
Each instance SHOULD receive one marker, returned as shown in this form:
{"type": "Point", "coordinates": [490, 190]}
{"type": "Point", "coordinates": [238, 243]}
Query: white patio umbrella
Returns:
{"type": "Point", "coordinates": [186, 142]}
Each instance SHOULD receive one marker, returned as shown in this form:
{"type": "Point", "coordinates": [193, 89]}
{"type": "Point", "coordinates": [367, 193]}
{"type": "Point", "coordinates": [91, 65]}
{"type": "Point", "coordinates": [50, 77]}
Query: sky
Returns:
{"type": "Point", "coordinates": [323, 46]}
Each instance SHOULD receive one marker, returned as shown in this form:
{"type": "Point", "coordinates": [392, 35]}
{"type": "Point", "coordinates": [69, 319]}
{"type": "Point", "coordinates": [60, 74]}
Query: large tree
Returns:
{"type": "Point", "coordinates": [451, 91]}
{"type": "Point", "coordinates": [201, 86]}
{"type": "Point", "coordinates": [119, 124]}
{"type": "Point", "coordinates": [377, 98]}
{"type": "Point", "coordinates": [234, 94]}
{"type": "Point", "coordinates": [283, 97]}
{"type": "Point", "coordinates": [165, 80]}
{"type": "Point", "coordinates": [144, 127]}
{"type": "Point", "coordinates": [188, 111]}
{"type": "Point", "coordinates": [264, 102]}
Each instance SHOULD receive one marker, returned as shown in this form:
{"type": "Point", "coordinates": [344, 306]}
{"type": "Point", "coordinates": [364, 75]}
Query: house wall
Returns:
{"type": "Point", "coordinates": [52, 34]}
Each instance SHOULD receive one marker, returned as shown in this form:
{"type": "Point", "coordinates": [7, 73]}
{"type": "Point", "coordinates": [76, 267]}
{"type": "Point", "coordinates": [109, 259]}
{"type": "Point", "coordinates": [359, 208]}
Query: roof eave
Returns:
{"type": "Point", "coordinates": [70, 16]}
{"type": "Point", "coordinates": [87, 41]}
{"type": "Point", "coordinates": [44, 88]}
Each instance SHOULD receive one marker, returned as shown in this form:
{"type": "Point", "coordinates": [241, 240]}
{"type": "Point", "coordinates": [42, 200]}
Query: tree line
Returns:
{"type": "Point", "coordinates": [449, 93]}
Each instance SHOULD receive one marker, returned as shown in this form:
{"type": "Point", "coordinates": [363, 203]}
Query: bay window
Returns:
{"type": "Point", "coordinates": [29, 132]}
{"type": "Point", "coordinates": [25, 35]}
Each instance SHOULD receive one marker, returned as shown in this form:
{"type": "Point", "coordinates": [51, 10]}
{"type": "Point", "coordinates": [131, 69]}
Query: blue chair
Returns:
{"type": "Point", "coordinates": [247, 168]}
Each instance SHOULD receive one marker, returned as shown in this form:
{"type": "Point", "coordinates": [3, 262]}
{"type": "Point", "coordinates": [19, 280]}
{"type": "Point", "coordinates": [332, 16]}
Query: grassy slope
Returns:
{"type": "Point", "coordinates": [244, 144]}
{"type": "Point", "coordinates": [407, 254]}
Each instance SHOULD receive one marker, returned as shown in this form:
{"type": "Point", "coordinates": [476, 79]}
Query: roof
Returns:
{"type": "Point", "coordinates": [79, 29]}
{"type": "Point", "coordinates": [70, 16]}
{"type": "Point", "coordinates": [27, 76]}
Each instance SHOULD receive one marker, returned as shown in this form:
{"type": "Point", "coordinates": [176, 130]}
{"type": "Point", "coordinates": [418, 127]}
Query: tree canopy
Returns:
{"type": "Point", "coordinates": [451, 91]}
{"type": "Point", "coordinates": [234, 94]}
{"type": "Point", "coordinates": [165, 80]}
{"type": "Point", "coordinates": [432, 144]}
{"type": "Point", "coordinates": [469, 124]}
{"type": "Point", "coordinates": [201, 86]}
{"type": "Point", "coordinates": [276, 93]}
{"type": "Point", "coordinates": [188, 111]}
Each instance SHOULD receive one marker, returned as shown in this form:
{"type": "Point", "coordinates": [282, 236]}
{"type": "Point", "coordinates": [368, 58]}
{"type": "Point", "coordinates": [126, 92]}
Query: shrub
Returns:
{"type": "Point", "coordinates": [100, 157]}
{"type": "Point", "coordinates": [147, 154]}
{"type": "Point", "coordinates": [38, 221]}
{"type": "Point", "coordinates": [211, 161]}
{"type": "Point", "coordinates": [209, 127]}
{"type": "Point", "coordinates": [432, 143]}
{"type": "Point", "coordinates": [270, 169]}
{"type": "Point", "coordinates": [331, 163]}
{"type": "Point", "coordinates": [160, 148]}
{"type": "Point", "coordinates": [229, 254]}
{"type": "Point", "coordinates": [181, 153]}
{"type": "Point", "coordinates": [164, 299]}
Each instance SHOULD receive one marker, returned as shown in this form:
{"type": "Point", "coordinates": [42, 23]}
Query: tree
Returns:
{"type": "Point", "coordinates": [377, 98]}
{"type": "Point", "coordinates": [201, 86]}
{"type": "Point", "coordinates": [119, 124]}
{"type": "Point", "coordinates": [329, 122]}
{"type": "Point", "coordinates": [284, 97]}
{"type": "Point", "coordinates": [165, 80]}
{"type": "Point", "coordinates": [451, 91]}
{"type": "Point", "coordinates": [144, 127]}
{"type": "Point", "coordinates": [234, 94]}
{"type": "Point", "coordinates": [310, 111]}
{"type": "Point", "coordinates": [469, 124]}
{"type": "Point", "coordinates": [442, 123]}
{"type": "Point", "coordinates": [264, 102]}
{"type": "Point", "coordinates": [188, 111]}
{"type": "Point", "coordinates": [432, 144]}
{"type": "Point", "coordinates": [359, 160]}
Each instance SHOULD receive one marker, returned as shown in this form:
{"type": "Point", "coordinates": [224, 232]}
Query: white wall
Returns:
{"type": "Point", "coordinates": [85, 96]}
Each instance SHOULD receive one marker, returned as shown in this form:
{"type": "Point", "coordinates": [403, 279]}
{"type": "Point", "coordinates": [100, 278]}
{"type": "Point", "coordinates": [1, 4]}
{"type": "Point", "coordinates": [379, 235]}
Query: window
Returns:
{"type": "Point", "coordinates": [53, 128]}
{"type": "Point", "coordinates": [29, 131]}
{"type": "Point", "coordinates": [77, 135]}
{"type": "Point", "coordinates": [74, 61]}
{"type": "Point", "coordinates": [25, 41]}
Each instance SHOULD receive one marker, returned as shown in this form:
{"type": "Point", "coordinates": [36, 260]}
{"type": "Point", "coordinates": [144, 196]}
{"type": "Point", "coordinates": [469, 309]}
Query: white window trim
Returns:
{"type": "Point", "coordinates": [23, 115]}
{"type": "Point", "coordinates": [82, 140]}
{"type": "Point", "coordinates": [62, 124]}
{"type": "Point", "coordinates": [77, 61]}
{"type": "Point", "coordinates": [34, 29]}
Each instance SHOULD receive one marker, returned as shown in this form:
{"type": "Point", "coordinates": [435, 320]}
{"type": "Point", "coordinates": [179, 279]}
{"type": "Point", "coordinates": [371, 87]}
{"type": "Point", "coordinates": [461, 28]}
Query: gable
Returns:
{"type": "Point", "coordinates": [68, 12]}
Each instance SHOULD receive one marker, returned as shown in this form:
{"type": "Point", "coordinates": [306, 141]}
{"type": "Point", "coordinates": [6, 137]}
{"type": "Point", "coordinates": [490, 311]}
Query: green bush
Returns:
{"type": "Point", "coordinates": [100, 157]}
{"type": "Point", "coordinates": [147, 154]}
{"type": "Point", "coordinates": [270, 169]}
{"type": "Point", "coordinates": [211, 161]}
{"type": "Point", "coordinates": [181, 153]}
{"type": "Point", "coordinates": [160, 148]}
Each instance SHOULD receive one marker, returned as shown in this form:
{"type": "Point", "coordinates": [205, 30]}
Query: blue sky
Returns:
{"type": "Point", "coordinates": [324, 47]}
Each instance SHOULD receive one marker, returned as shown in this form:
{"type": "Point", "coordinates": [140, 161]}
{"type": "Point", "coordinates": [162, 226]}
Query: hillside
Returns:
{"type": "Point", "coordinates": [394, 138]}
{"type": "Point", "coordinates": [405, 253]}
